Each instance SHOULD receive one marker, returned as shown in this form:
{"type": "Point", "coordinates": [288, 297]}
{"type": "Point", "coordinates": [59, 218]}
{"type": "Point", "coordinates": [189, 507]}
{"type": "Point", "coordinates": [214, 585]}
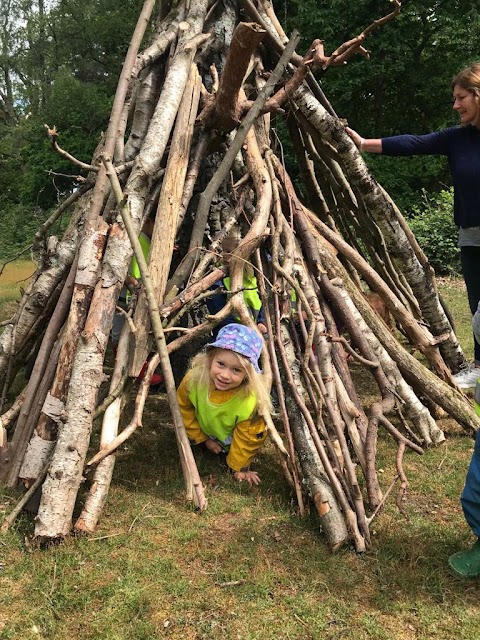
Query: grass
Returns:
{"type": "Point", "coordinates": [248, 568]}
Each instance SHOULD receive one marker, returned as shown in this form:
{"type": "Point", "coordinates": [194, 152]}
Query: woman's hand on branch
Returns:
{"type": "Point", "coordinates": [356, 137]}
{"type": "Point", "coordinates": [370, 145]}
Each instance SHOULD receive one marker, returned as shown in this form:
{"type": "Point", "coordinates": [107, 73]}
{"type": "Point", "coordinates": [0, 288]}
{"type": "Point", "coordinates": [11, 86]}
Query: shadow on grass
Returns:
{"type": "Point", "coordinates": [407, 558]}
{"type": "Point", "coordinates": [150, 461]}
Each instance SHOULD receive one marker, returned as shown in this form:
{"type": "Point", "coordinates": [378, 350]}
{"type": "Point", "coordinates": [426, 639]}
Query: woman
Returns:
{"type": "Point", "coordinates": [461, 146]}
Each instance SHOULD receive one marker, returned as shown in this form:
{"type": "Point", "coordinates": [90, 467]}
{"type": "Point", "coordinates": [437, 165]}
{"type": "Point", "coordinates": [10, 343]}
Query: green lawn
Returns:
{"type": "Point", "coordinates": [248, 568]}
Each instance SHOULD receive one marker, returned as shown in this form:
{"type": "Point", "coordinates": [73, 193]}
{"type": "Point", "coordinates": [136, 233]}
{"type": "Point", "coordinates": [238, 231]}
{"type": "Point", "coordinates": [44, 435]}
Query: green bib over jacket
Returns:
{"type": "Point", "coordinates": [219, 420]}
{"type": "Point", "coordinates": [228, 416]}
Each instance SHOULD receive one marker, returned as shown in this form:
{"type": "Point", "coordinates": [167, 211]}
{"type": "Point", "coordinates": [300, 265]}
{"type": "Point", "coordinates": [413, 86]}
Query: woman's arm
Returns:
{"type": "Point", "coordinates": [435, 143]}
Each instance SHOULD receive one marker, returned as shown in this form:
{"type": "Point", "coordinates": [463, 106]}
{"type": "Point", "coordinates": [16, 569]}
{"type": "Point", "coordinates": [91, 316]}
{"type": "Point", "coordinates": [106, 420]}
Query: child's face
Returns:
{"type": "Point", "coordinates": [226, 370]}
{"type": "Point", "coordinates": [148, 226]}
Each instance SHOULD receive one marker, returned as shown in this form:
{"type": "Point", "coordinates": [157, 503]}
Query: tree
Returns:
{"type": "Point", "coordinates": [190, 134]}
{"type": "Point", "coordinates": [59, 65]}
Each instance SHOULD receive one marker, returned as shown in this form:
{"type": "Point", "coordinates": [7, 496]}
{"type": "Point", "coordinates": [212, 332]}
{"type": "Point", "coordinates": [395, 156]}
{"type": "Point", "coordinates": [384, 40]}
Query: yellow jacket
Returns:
{"type": "Point", "coordinates": [247, 436]}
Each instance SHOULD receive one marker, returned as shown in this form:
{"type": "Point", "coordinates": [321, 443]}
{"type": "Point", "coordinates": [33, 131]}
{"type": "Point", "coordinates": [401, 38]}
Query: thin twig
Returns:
{"type": "Point", "coordinates": [111, 535]}
{"type": "Point", "coordinates": [383, 501]}
{"type": "Point", "coordinates": [346, 345]}
{"type": "Point", "coordinates": [116, 393]}
{"type": "Point", "coordinates": [137, 517]}
{"type": "Point", "coordinates": [232, 583]}
{"type": "Point", "coordinates": [53, 135]}
{"type": "Point", "coordinates": [444, 457]}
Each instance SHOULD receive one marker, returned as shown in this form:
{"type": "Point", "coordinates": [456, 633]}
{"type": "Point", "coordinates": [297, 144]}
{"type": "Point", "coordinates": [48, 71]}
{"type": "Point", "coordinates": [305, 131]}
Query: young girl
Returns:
{"type": "Point", "coordinates": [221, 398]}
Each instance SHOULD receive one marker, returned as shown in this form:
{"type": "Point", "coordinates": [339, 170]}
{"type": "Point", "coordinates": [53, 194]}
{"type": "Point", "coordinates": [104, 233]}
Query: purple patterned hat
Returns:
{"type": "Point", "coordinates": [241, 339]}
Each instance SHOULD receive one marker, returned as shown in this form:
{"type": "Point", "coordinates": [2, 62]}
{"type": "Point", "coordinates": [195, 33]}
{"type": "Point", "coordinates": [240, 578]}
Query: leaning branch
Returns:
{"type": "Point", "coordinates": [223, 110]}
{"type": "Point", "coordinates": [206, 197]}
{"type": "Point", "coordinates": [53, 135]}
{"type": "Point", "coordinates": [188, 460]}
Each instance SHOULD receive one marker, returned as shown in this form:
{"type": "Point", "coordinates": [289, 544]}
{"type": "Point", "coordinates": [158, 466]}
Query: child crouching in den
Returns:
{"type": "Point", "coordinates": [222, 396]}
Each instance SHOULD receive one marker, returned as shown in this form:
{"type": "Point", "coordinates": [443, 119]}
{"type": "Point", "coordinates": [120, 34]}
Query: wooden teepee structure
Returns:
{"type": "Point", "coordinates": [192, 136]}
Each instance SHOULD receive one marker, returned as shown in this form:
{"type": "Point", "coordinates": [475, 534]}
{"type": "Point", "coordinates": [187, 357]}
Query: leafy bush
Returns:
{"type": "Point", "coordinates": [433, 226]}
{"type": "Point", "coordinates": [408, 179]}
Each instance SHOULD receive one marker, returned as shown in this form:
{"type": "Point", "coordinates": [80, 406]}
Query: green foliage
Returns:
{"type": "Point", "coordinates": [79, 111]}
{"type": "Point", "coordinates": [407, 178]}
{"type": "Point", "coordinates": [62, 61]}
{"type": "Point", "coordinates": [436, 232]}
{"type": "Point", "coordinates": [16, 230]}
{"type": "Point", "coordinates": [33, 179]}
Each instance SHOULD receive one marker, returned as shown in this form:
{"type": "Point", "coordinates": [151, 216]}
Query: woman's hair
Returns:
{"type": "Point", "coordinates": [468, 78]}
{"type": "Point", "coordinates": [253, 384]}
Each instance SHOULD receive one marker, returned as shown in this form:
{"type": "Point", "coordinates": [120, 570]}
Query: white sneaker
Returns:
{"type": "Point", "coordinates": [467, 378]}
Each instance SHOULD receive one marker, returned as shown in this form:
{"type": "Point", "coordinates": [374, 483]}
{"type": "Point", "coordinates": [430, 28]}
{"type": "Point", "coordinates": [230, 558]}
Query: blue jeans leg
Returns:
{"type": "Point", "coordinates": [471, 492]}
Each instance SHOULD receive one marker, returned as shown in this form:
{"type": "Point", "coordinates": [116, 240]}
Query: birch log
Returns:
{"type": "Point", "coordinates": [168, 208]}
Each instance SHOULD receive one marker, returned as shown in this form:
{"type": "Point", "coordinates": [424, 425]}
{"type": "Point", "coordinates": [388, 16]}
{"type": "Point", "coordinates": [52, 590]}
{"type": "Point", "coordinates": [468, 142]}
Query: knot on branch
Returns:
{"type": "Point", "coordinates": [223, 109]}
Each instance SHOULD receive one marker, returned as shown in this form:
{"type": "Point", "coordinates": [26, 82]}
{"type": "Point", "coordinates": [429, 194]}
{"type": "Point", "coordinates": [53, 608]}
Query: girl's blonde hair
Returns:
{"type": "Point", "coordinates": [468, 79]}
{"type": "Point", "coordinates": [199, 374]}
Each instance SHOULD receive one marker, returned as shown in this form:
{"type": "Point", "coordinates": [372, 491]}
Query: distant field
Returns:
{"type": "Point", "coordinates": [13, 278]}
{"type": "Point", "coordinates": [16, 271]}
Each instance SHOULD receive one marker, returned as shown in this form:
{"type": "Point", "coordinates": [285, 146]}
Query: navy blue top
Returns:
{"type": "Point", "coordinates": [461, 145]}
{"type": "Point", "coordinates": [218, 301]}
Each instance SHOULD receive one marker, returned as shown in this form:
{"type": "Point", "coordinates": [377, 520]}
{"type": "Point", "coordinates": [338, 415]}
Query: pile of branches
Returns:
{"type": "Point", "coordinates": [192, 135]}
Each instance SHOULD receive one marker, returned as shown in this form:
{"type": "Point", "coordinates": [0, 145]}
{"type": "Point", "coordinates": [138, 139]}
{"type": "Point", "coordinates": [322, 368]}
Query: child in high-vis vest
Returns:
{"type": "Point", "coordinates": [133, 279]}
{"type": "Point", "coordinates": [132, 282]}
{"type": "Point", "coordinates": [222, 396]}
{"type": "Point", "coordinates": [250, 291]}
{"type": "Point", "coordinates": [467, 563]}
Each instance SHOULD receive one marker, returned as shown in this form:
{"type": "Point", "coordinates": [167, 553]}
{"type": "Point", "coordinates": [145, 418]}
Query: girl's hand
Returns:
{"type": "Point", "coordinates": [251, 477]}
{"type": "Point", "coordinates": [262, 328]}
{"type": "Point", "coordinates": [213, 446]}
